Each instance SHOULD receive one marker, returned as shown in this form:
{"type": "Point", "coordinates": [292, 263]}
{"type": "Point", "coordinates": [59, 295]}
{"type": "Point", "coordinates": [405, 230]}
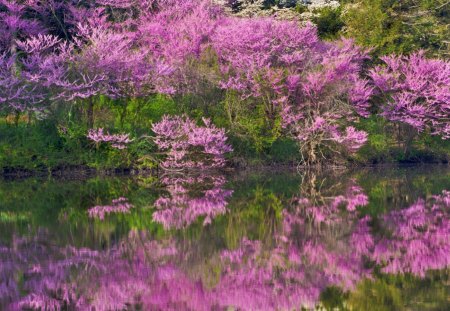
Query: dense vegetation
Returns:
{"type": "Point", "coordinates": [136, 83]}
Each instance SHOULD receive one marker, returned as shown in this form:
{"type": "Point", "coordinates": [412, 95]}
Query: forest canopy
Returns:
{"type": "Point", "coordinates": [184, 84]}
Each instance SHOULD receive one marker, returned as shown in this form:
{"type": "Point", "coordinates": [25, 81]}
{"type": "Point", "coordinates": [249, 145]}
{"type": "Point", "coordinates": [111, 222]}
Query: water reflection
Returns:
{"type": "Point", "coordinates": [191, 197]}
{"type": "Point", "coordinates": [210, 242]}
{"type": "Point", "coordinates": [119, 205]}
{"type": "Point", "coordinates": [417, 238]}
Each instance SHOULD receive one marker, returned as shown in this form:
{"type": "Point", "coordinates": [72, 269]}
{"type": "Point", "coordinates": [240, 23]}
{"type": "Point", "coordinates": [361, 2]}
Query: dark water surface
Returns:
{"type": "Point", "coordinates": [368, 239]}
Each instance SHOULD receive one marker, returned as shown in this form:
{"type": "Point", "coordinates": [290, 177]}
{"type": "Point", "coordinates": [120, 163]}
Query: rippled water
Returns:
{"type": "Point", "coordinates": [369, 239]}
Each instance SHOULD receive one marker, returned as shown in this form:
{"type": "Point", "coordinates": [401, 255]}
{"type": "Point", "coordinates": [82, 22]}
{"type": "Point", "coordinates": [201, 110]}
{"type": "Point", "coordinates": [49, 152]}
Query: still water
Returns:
{"type": "Point", "coordinates": [367, 239]}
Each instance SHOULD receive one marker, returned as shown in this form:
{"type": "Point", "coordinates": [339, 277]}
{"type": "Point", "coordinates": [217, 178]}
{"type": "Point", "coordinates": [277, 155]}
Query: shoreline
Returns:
{"type": "Point", "coordinates": [85, 172]}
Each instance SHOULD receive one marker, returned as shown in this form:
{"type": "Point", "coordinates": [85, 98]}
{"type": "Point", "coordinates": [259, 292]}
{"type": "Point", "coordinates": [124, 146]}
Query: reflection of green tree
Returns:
{"type": "Point", "coordinates": [257, 218]}
{"type": "Point", "coordinates": [254, 211]}
{"type": "Point", "coordinates": [61, 205]}
{"type": "Point", "coordinates": [396, 187]}
{"type": "Point", "coordinates": [333, 298]}
{"type": "Point", "coordinates": [402, 292]}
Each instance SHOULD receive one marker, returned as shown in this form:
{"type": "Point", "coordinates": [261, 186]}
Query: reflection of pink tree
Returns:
{"type": "Point", "coordinates": [319, 246]}
{"type": "Point", "coordinates": [419, 239]}
{"type": "Point", "coordinates": [327, 209]}
{"type": "Point", "coordinates": [327, 245]}
{"type": "Point", "coordinates": [137, 272]}
{"type": "Point", "coordinates": [45, 270]}
{"type": "Point", "coordinates": [181, 208]}
{"type": "Point", "coordinates": [119, 205]}
{"type": "Point", "coordinates": [310, 254]}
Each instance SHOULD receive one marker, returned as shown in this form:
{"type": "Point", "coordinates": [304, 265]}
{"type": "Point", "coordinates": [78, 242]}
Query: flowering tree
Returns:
{"type": "Point", "coordinates": [15, 25]}
{"type": "Point", "coordinates": [190, 146]}
{"type": "Point", "coordinates": [118, 141]}
{"type": "Point", "coordinates": [178, 32]}
{"type": "Point", "coordinates": [322, 103]}
{"type": "Point", "coordinates": [314, 86]}
{"type": "Point", "coordinates": [17, 94]}
{"type": "Point", "coordinates": [93, 53]}
{"type": "Point", "coordinates": [416, 92]}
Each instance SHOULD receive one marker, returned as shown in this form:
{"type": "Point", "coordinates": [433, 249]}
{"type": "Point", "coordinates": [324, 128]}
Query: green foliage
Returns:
{"type": "Point", "coordinates": [250, 128]}
{"type": "Point", "coordinates": [390, 26]}
{"type": "Point", "coordinates": [32, 146]}
{"type": "Point", "coordinates": [59, 140]}
{"type": "Point", "coordinates": [329, 22]}
{"type": "Point", "coordinates": [428, 148]}
{"type": "Point", "coordinates": [284, 150]}
{"type": "Point", "coordinates": [301, 8]}
{"type": "Point", "coordinates": [379, 144]}
{"type": "Point", "coordinates": [385, 144]}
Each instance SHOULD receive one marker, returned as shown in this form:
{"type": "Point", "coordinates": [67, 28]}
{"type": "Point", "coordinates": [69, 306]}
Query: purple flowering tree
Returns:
{"type": "Point", "coordinates": [314, 86]}
{"type": "Point", "coordinates": [416, 93]}
{"type": "Point", "coordinates": [188, 145]}
{"type": "Point", "coordinates": [117, 141]}
{"type": "Point", "coordinates": [17, 94]}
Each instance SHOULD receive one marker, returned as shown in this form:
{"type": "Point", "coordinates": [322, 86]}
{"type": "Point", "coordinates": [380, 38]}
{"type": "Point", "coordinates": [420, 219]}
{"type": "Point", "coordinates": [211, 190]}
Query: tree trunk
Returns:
{"type": "Point", "coordinates": [90, 113]}
{"type": "Point", "coordinates": [409, 134]}
{"type": "Point", "coordinates": [16, 118]}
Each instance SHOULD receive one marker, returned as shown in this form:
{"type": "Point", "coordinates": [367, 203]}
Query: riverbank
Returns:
{"type": "Point", "coordinates": [44, 150]}
{"type": "Point", "coordinates": [85, 172]}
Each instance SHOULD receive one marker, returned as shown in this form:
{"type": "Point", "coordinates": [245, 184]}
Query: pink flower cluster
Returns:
{"type": "Point", "coordinates": [118, 141]}
{"type": "Point", "coordinates": [188, 145]}
{"type": "Point", "coordinates": [417, 91]}
{"type": "Point", "coordinates": [119, 205]}
{"type": "Point", "coordinates": [352, 139]}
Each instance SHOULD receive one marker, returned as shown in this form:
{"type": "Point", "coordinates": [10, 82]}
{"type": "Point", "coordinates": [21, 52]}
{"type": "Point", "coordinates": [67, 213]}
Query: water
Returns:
{"type": "Point", "coordinates": [368, 239]}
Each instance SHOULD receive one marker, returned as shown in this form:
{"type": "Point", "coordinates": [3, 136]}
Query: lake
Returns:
{"type": "Point", "coordinates": [360, 239]}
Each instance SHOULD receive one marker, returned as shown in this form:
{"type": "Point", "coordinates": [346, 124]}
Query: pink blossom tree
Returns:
{"type": "Point", "coordinates": [416, 92]}
{"type": "Point", "coordinates": [190, 146]}
{"type": "Point", "coordinates": [117, 141]}
{"type": "Point", "coordinates": [324, 101]}
{"type": "Point", "coordinates": [17, 94]}
{"type": "Point", "coordinates": [314, 86]}
{"type": "Point", "coordinates": [15, 25]}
